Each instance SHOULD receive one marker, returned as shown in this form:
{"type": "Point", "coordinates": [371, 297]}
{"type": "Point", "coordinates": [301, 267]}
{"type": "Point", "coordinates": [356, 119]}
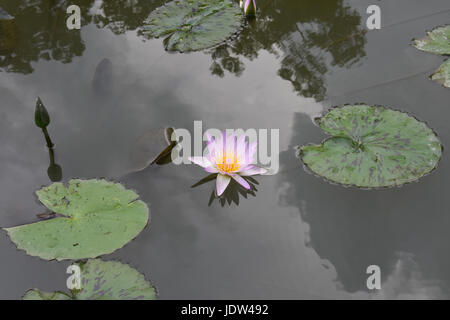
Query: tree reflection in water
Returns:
{"type": "Point", "coordinates": [307, 36]}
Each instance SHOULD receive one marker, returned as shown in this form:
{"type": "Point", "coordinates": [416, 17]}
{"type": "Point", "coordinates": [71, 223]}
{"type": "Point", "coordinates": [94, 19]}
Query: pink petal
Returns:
{"type": "Point", "coordinates": [201, 161]}
{"type": "Point", "coordinates": [211, 143]}
{"type": "Point", "coordinates": [241, 181]}
{"type": "Point", "coordinates": [252, 171]}
{"type": "Point", "coordinates": [222, 183]}
{"type": "Point", "coordinates": [211, 169]}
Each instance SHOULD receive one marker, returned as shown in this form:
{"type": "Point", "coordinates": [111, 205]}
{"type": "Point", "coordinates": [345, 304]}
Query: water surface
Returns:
{"type": "Point", "coordinates": [299, 237]}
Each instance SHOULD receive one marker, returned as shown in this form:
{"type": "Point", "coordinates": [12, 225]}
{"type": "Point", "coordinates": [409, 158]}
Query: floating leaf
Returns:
{"type": "Point", "coordinates": [436, 41]}
{"type": "Point", "coordinates": [194, 24]}
{"type": "Point", "coordinates": [372, 147]}
{"type": "Point", "coordinates": [99, 217]}
{"type": "Point", "coordinates": [35, 294]}
{"type": "Point", "coordinates": [104, 280]}
{"type": "Point", "coordinates": [443, 74]}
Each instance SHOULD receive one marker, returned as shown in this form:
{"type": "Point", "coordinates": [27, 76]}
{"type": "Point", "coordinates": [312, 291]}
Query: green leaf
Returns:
{"type": "Point", "coordinates": [35, 294]}
{"type": "Point", "coordinates": [41, 117]}
{"type": "Point", "coordinates": [98, 217]}
{"type": "Point", "coordinates": [191, 25]}
{"type": "Point", "coordinates": [112, 280]}
{"type": "Point", "coordinates": [436, 41]}
{"type": "Point", "coordinates": [372, 147]}
{"type": "Point", "coordinates": [103, 280]}
{"type": "Point", "coordinates": [443, 74]}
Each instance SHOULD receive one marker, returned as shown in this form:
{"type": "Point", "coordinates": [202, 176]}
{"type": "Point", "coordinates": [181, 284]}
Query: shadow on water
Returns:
{"type": "Point", "coordinates": [232, 193]}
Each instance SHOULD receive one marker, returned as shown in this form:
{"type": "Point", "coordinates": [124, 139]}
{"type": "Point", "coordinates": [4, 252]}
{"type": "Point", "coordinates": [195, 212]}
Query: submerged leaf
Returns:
{"type": "Point", "coordinates": [103, 280]}
{"type": "Point", "coordinates": [99, 217]}
{"type": "Point", "coordinates": [443, 74]}
{"type": "Point", "coordinates": [154, 146]}
{"type": "Point", "coordinates": [372, 146]}
{"type": "Point", "coordinates": [191, 25]}
{"type": "Point", "coordinates": [436, 41]}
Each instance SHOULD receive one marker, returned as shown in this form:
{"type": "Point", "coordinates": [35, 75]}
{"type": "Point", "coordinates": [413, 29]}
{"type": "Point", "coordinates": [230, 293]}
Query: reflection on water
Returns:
{"type": "Point", "coordinates": [307, 40]}
{"type": "Point", "coordinates": [294, 237]}
{"type": "Point", "coordinates": [42, 33]}
{"type": "Point", "coordinates": [307, 36]}
{"type": "Point", "coordinates": [368, 227]}
{"type": "Point", "coordinates": [232, 193]}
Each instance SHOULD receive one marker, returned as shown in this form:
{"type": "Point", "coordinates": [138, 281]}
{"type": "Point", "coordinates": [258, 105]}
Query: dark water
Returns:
{"type": "Point", "coordinates": [299, 237]}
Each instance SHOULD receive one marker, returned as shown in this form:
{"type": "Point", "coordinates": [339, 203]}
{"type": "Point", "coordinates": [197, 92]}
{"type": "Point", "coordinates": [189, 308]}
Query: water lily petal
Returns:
{"type": "Point", "coordinates": [201, 161]}
{"type": "Point", "coordinates": [252, 171]}
{"type": "Point", "coordinates": [241, 181]}
{"type": "Point", "coordinates": [211, 169]}
{"type": "Point", "coordinates": [222, 183]}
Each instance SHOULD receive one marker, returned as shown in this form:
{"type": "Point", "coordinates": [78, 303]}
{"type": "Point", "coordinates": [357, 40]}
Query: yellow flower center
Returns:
{"type": "Point", "coordinates": [228, 162]}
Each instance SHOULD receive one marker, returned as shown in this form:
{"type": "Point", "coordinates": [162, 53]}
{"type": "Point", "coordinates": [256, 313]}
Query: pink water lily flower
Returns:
{"type": "Point", "coordinates": [231, 157]}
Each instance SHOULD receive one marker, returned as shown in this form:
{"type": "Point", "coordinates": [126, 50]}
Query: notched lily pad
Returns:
{"type": "Point", "coordinates": [372, 147]}
{"type": "Point", "coordinates": [437, 41]}
{"type": "Point", "coordinates": [191, 25]}
{"type": "Point", "coordinates": [95, 217]}
{"type": "Point", "coordinates": [103, 280]}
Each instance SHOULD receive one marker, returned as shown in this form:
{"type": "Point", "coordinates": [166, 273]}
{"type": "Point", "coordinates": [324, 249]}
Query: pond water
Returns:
{"type": "Point", "coordinates": [299, 236]}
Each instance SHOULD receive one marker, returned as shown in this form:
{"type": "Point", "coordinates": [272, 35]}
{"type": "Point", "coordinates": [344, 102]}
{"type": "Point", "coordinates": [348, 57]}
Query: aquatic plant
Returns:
{"type": "Point", "coordinates": [194, 24]}
{"type": "Point", "coordinates": [249, 7]}
{"type": "Point", "coordinates": [371, 147]}
{"type": "Point", "coordinates": [103, 280]}
{"type": "Point", "coordinates": [92, 218]}
{"type": "Point", "coordinates": [42, 120]}
{"type": "Point", "coordinates": [437, 41]}
{"type": "Point", "coordinates": [230, 157]}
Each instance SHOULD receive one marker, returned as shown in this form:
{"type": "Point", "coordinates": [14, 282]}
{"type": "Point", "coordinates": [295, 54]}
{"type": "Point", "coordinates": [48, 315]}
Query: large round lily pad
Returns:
{"type": "Point", "coordinates": [94, 217]}
{"type": "Point", "coordinates": [103, 280]}
{"type": "Point", "coordinates": [372, 147]}
{"type": "Point", "coordinates": [190, 25]}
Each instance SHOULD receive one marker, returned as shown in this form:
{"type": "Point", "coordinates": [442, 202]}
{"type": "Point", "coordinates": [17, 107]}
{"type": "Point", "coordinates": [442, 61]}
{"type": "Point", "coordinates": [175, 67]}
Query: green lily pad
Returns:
{"type": "Point", "coordinates": [436, 41]}
{"type": "Point", "coordinates": [443, 74]}
{"type": "Point", "coordinates": [191, 25]}
{"type": "Point", "coordinates": [96, 217]}
{"type": "Point", "coordinates": [35, 294]}
{"type": "Point", "coordinates": [103, 280]}
{"type": "Point", "coordinates": [372, 147]}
